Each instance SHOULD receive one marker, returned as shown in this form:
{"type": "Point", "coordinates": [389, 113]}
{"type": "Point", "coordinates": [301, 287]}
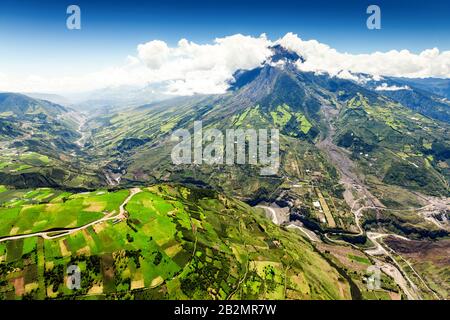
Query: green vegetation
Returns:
{"type": "Point", "coordinates": [359, 259]}
{"type": "Point", "coordinates": [180, 242]}
{"type": "Point", "coordinates": [176, 243]}
{"type": "Point", "coordinates": [392, 143]}
{"type": "Point", "coordinates": [23, 216]}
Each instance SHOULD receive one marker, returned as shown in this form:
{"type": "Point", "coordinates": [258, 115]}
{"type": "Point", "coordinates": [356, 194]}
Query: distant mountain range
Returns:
{"type": "Point", "coordinates": [437, 86]}
{"type": "Point", "coordinates": [22, 105]}
{"type": "Point", "coordinates": [414, 94]}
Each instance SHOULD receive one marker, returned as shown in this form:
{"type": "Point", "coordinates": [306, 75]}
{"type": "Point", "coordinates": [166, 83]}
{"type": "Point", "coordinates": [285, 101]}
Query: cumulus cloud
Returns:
{"type": "Point", "coordinates": [155, 53]}
{"type": "Point", "coordinates": [321, 57]}
{"type": "Point", "coordinates": [187, 68]}
{"type": "Point", "coordinates": [195, 68]}
{"type": "Point", "coordinates": [190, 68]}
{"type": "Point", "coordinates": [386, 87]}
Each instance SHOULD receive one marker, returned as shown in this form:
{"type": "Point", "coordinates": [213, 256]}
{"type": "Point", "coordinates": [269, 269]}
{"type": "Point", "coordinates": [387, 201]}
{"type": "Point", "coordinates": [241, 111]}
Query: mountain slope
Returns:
{"type": "Point", "coordinates": [414, 97]}
{"type": "Point", "coordinates": [39, 146]}
{"type": "Point", "coordinates": [282, 97]}
{"type": "Point", "coordinates": [358, 164]}
{"type": "Point", "coordinates": [437, 86]}
{"type": "Point", "coordinates": [175, 243]}
{"type": "Point", "coordinates": [19, 105]}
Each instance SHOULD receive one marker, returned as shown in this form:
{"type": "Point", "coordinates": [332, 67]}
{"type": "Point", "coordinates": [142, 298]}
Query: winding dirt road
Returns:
{"type": "Point", "coordinates": [272, 213]}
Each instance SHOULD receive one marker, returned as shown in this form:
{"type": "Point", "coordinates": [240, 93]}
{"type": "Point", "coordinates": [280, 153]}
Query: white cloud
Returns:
{"type": "Point", "coordinates": [361, 78]}
{"type": "Point", "coordinates": [189, 68]}
{"type": "Point", "coordinates": [195, 68]}
{"type": "Point", "coordinates": [386, 87]}
{"type": "Point", "coordinates": [321, 57]}
{"type": "Point", "coordinates": [132, 72]}
{"type": "Point", "coordinates": [155, 53]}
{"type": "Point", "coordinates": [345, 74]}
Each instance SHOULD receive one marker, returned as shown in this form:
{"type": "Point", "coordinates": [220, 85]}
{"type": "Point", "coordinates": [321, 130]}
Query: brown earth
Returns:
{"type": "Point", "coordinates": [436, 252]}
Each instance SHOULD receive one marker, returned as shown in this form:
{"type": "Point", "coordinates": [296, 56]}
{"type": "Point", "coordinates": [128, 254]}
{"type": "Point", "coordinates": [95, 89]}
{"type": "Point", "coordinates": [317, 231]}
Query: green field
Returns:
{"type": "Point", "coordinates": [26, 213]}
{"type": "Point", "coordinates": [176, 243]}
{"type": "Point", "coordinates": [360, 259]}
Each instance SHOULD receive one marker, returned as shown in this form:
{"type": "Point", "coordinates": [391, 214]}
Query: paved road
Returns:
{"type": "Point", "coordinates": [65, 232]}
{"type": "Point", "coordinates": [380, 250]}
{"type": "Point", "coordinates": [311, 235]}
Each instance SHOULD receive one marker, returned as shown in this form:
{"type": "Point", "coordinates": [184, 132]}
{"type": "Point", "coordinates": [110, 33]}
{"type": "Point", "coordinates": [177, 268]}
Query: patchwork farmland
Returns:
{"type": "Point", "coordinates": [172, 242]}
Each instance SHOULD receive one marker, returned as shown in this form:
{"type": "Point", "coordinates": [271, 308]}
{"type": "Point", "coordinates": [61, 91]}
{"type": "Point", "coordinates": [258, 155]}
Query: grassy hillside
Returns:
{"type": "Point", "coordinates": [39, 145]}
{"type": "Point", "coordinates": [396, 145]}
{"type": "Point", "coordinates": [175, 243]}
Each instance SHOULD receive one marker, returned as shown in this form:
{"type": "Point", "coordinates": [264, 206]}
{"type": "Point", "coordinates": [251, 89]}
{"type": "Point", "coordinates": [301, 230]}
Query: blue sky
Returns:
{"type": "Point", "coordinates": [34, 38]}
